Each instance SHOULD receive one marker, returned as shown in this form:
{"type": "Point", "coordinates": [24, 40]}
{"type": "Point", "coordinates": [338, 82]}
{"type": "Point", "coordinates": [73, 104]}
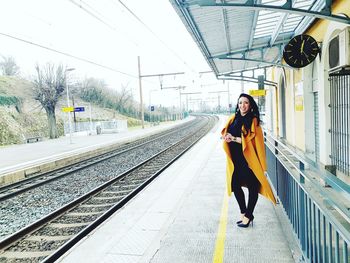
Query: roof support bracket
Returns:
{"type": "Point", "coordinates": [327, 10]}
{"type": "Point", "coordinates": [281, 51]}
{"type": "Point", "coordinates": [288, 4]}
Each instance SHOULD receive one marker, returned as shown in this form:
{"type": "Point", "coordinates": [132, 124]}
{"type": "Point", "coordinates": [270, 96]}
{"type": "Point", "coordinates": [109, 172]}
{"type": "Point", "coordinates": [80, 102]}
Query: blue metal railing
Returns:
{"type": "Point", "coordinates": [320, 222]}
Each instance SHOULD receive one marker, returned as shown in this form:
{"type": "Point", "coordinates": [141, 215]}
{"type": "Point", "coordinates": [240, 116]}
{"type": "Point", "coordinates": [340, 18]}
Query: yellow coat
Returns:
{"type": "Point", "coordinates": [254, 152]}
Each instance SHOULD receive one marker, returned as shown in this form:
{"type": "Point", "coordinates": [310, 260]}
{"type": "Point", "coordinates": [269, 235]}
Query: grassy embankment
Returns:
{"type": "Point", "coordinates": [21, 115]}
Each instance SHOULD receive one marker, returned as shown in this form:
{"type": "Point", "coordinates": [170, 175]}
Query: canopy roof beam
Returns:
{"type": "Point", "coordinates": [250, 77]}
{"type": "Point", "coordinates": [263, 62]}
{"type": "Point", "coordinates": [252, 31]}
{"type": "Point", "coordinates": [246, 50]}
{"type": "Point", "coordinates": [278, 28]}
{"type": "Point", "coordinates": [197, 35]}
{"type": "Point", "coordinates": [227, 31]}
{"type": "Point", "coordinates": [287, 8]}
{"type": "Point", "coordinates": [242, 71]}
{"type": "Point", "coordinates": [323, 5]}
{"type": "Point", "coordinates": [246, 79]}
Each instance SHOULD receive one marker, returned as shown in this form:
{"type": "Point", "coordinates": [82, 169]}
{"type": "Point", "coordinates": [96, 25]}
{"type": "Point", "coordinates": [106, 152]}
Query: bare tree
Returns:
{"type": "Point", "coordinates": [92, 90]}
{"type": "Point", "coordinates": [124, 98]}
{"type": "Point", "coordinates": [9, 66]}
{"type": "Point", "coordinates": [96, 91]}
{"type": "Point", "coordinates": [49, 85]}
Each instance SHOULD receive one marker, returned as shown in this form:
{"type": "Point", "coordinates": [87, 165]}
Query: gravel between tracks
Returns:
{"type": "Point", "coordinates": [30, 206]}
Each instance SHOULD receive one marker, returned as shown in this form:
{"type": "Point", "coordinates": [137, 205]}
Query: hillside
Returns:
{"type": "Point", "coordinates": [21, 115]}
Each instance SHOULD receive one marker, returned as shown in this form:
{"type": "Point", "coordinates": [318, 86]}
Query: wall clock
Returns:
{"type": "Point", "coordinates": [300, 51]}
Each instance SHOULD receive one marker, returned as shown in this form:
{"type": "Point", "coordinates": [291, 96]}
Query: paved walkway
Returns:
{"type": "Point", "coordinates": [185, 216]}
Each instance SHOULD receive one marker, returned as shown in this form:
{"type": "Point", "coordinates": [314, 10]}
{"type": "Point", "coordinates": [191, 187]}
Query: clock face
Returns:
{"type": "Point", "coordinates": [300, 51]}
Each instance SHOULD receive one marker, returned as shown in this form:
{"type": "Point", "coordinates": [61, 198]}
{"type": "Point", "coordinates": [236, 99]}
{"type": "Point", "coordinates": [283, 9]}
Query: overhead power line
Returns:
{"type": "Point", "coordinates": [68, 55]}
{"type": "Point", "coordinates": [100, 19]}
{"type": "Point", "coordinates": [92, 14]}
{"type": "Point", "coordinates": [154, 34]}
{"type": "Point", "coordinates": [97, 15]}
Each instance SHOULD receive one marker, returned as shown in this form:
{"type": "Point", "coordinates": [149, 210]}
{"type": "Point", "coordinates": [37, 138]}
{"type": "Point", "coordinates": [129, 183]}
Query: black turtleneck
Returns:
{"type": "Point", "coordinates": [235, 129]}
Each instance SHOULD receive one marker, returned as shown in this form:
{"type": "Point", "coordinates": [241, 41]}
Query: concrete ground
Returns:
{"type": "Point", "coordinates": [185, 216]}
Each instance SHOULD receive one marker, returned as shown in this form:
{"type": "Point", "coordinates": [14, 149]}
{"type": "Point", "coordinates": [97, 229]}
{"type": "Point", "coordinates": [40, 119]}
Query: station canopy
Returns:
{"type": "Point", "coordinates": [239, 35]}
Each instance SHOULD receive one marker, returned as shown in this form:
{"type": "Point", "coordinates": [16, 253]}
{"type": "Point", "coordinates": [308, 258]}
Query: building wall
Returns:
{"type": "Point", "coordinates": [273, 97]}
{"type": "Point", "coordinates": [324, 31]}
{"type": "Point", "coordinates": [299, 96]}
{"type": "Point", "coordinates": [298, 108]}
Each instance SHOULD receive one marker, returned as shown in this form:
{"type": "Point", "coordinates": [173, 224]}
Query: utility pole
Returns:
{"type": "Point", "coordinates": [68, 104]}
{"type": "Point", "coordinates": [141, 99]}
{"type": "Point", "coordinates": [228, 97]}
{"type": "Point", "coordinates": [188, 93]}
{"type": "Point", "coordinates": [74, 117]}
{"type": "Point", "coordinates": [218, 92]}
{"type": "Point", "coordinates": [90, 118]}
{"type": "Point", "coordinates": [176, 88]}
{"type": "Point", "coordinates": [161, 86]}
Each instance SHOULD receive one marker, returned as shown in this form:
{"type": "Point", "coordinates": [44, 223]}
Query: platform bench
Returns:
{"type": "Point", "coordinates": [35, 138]}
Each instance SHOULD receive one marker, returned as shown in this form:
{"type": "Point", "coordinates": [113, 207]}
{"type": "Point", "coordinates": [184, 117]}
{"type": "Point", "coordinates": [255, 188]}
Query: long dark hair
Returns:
{"type": "Point", "coordinates": [253, 112]}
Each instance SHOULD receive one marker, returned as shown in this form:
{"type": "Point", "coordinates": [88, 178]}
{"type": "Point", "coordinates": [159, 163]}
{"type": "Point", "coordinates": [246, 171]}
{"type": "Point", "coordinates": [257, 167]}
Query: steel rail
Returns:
{"type": "Point", "coordinates": [64, 171]}
{"type": "Point", "coordinates": [10, 240]}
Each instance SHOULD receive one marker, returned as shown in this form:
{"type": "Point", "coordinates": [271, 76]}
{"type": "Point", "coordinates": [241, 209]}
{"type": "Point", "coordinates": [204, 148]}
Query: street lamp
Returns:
{"type": "Point", "coordinates": [68, 105]}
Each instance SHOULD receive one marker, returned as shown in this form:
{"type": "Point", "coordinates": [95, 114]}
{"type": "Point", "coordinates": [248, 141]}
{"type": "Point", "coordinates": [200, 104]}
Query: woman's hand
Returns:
{"type": "Point", "coordinates": [238, 139]}
{"type": "Point", "coordinates": [229, 138]}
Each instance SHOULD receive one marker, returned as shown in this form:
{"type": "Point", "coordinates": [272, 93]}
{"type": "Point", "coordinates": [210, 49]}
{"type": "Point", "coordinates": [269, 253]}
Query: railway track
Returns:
{"type": "Point", "coordinates": [14, 189]}
{"type": "Point", "coordinates": [38, 201]}
{"type": "Point", "coordinates": [50, 237]}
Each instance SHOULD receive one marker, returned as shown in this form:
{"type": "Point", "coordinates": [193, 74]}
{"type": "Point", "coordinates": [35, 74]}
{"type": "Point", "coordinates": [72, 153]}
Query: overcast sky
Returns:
{"type": "Point", "coordinates": [106, 33]}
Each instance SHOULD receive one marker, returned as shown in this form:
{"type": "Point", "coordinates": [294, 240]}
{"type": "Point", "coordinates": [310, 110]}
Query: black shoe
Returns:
{"type": "Point", "coordinates": [240, 221]}
{"type": "Point", "coordinates": [246, 225]}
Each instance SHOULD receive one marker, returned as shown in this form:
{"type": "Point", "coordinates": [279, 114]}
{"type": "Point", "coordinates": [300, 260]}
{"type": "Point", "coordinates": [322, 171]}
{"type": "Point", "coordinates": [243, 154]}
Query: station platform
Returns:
{"type": "Point", "coordinates": [185, 215]}
{"type": "Point", "coordinates": [18, 162]}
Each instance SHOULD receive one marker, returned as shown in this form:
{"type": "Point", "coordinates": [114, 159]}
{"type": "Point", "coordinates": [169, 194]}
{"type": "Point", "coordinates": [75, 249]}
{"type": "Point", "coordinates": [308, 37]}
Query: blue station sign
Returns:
{"type": "Point", "coordinates": [78, 109]}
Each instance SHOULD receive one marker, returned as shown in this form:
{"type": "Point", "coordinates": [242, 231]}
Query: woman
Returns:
{"type": "Point", "coordinates": [246, 161]}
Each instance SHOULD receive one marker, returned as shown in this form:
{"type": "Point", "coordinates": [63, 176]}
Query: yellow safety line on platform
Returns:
{"type": "Point", "coordinates": [220, 238]}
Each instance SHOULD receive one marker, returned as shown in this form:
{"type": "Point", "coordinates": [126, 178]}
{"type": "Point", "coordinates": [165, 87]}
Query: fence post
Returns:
{"type": "Point", "coordinates": [302, 208]}
{"type": "Point", "coordinates": [276, 165]}
{"type": "Point", "coordinates": [302, 168]}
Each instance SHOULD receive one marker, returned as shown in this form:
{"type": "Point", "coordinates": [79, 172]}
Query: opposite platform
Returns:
{"type": "Point", "coordinates": [21, 161]}
{"type": "Point", "coordinates": [185, 216]}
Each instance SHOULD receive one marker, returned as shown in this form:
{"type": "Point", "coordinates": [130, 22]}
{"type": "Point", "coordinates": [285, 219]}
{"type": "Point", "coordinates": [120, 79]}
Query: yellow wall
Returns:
{"type": "Point", "coordinates": [319, 28]}
{"type": "Point", "coordinates": [299, 116]}
{"type": "Point", "coordinates": [288, 101]}
{"type": "Point", "coordinates": [275, 102]}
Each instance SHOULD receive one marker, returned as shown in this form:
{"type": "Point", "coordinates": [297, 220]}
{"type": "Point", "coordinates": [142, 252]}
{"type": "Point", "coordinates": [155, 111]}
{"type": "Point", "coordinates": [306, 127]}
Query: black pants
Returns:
{"type": "Point", "coordinates": [245, 176]}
